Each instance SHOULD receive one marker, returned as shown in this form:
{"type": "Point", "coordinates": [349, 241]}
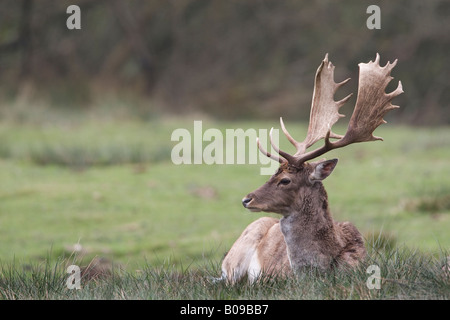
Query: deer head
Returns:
{"type": "Point", "coordinates": [297, 179]}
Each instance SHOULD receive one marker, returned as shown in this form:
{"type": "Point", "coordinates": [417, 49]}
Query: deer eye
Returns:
{"type": "Point", "coordinates": [284, 181]}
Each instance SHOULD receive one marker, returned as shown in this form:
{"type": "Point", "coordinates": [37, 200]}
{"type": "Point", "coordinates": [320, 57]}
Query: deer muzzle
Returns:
{"type": "Point", "coordinates": [246, 201]}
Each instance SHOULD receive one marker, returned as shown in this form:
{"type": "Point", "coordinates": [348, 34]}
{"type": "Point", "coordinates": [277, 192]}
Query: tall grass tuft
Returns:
{"type": "Point", "coordinates": [404, 274]}
{"type": "Point", "coordinates": [32, 281]}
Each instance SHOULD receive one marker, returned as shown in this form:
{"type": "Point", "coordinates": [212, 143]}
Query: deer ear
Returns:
{"type": "Point", "coordinates": [322, 169]}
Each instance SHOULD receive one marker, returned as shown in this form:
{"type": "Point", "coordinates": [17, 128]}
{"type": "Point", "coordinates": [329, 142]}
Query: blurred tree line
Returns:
{"type": "Point", "coordinates": [230, 59]}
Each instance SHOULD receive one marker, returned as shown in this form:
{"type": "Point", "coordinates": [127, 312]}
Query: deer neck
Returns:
{"type": "Point", "coordinates": [309, 230]}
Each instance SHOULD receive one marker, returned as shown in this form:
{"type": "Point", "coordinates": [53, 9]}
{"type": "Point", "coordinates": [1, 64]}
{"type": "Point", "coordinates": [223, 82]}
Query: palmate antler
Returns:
{"type": "Point", "coordinates": [372, 103]}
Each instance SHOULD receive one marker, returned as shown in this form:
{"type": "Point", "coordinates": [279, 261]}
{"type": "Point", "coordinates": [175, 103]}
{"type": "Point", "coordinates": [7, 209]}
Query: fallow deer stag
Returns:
{"type": "Point", "coordinates": [307, 236]}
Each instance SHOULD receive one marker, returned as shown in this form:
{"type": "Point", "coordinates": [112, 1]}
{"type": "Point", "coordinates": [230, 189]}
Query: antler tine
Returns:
{"type": "Point", "coordinates": [301, 147]}
{"type": "Point", "coordinates": [268, 154]}
{"type": "Point", "coordinates": [285, 155]}
{"type": "Point", "coordinates": [372, 104]}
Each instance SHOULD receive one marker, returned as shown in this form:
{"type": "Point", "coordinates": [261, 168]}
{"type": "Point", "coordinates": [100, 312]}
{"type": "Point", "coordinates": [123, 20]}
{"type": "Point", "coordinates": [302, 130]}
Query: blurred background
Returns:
{"type": "Point", "coordinates": [86, 118]}
{"type": "Point", "coordinates": [226, 59]}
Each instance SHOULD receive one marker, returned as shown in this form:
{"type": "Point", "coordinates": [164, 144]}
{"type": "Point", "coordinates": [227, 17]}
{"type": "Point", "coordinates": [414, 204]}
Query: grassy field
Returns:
{"type": "Point", "coordinates": [87, 187]}
{"type": "Point", "coordinates": [405, 274]}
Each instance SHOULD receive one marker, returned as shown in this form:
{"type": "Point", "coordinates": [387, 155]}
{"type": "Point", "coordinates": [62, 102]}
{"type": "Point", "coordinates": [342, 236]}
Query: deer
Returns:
{"type": "Point", "coordinates": [306, 236]}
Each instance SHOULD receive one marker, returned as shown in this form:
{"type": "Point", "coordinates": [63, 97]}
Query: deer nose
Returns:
{"type": "Point", "coordinates": [245, 201]}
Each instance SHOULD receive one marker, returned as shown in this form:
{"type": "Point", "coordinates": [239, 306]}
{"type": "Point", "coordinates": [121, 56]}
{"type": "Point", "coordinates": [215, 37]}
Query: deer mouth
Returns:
{"type": "Point", "coordinates": [246, 202]}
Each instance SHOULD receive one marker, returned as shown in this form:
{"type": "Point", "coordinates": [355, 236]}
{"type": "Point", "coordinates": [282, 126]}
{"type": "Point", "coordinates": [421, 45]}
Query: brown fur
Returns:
{"type": "Point", "coordinates": [306, 235]}
{"type": "Point", "coordinates": [311, 237]}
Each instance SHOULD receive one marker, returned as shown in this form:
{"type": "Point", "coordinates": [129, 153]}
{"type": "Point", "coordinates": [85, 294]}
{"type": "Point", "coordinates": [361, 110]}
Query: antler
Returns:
{"type": "Point", "coordinates": [324, 110]}
{"type": "Point", "coordinates": [372, 104]}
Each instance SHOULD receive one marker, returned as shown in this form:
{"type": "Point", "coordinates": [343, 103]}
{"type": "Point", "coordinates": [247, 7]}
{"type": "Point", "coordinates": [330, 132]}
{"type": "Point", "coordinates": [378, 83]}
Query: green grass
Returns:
{"type": "Point", "coordinates": [108, 189]}
{"type": "Point", "coordinates": [404, 274]}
